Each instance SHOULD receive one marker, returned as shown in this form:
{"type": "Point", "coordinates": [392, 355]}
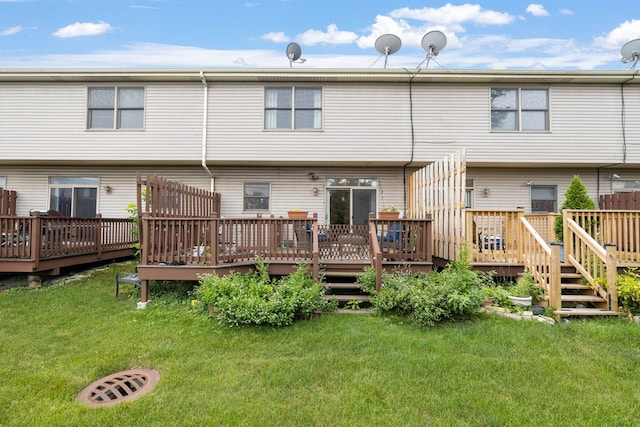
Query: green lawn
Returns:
{"type": "Point", "coordinates": [346, 370]}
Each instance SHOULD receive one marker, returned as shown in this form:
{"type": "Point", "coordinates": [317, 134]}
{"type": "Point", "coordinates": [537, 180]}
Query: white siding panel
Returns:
{"type": "Point", "coordinates": [585, 127]}
{"type": "Point", "coordinates": [48, 122]}
{"type": "Point", "coordinates": [363, 123]}
{"type": "Point", "coordinates": [508, 189]}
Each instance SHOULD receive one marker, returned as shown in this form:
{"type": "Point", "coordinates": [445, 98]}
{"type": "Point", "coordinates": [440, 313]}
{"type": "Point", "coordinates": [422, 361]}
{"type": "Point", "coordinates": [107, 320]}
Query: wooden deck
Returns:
{"type": "Point", "coordinates": [181, 248]}
{"type": "Point", "coordinates": [62, 242]}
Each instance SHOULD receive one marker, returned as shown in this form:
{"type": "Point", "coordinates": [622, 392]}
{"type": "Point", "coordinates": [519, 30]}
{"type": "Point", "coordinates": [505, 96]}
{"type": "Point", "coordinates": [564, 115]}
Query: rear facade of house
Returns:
{"type": "Point", "coordinates": [340, 143]}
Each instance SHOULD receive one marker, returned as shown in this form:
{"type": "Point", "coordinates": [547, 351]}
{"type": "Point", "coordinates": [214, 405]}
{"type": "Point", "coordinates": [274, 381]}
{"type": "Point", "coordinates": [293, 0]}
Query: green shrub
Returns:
{"type": "Point", "coordinates": [629, 290]}
{"type": "Point", "coordinates": [454, 293]}
{"type": "Point", "coordinates": [576, 197]}
{"type": "Point", "coordinates": [256, 298]}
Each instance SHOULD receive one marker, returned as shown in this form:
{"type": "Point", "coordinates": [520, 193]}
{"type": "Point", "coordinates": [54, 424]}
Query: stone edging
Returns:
{"type": "Point", "coordinates": [525, 315]}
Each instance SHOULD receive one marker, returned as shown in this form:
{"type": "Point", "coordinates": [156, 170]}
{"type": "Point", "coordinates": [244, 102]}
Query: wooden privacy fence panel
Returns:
{"type": "Point", "coordinates": [160, 197]}
{"type": "Point", "coordinates": [8, 202]}
{"type": "Point", "coordinates": [620, 201]}
{"type": "Point", "coordinates": [438, 190]}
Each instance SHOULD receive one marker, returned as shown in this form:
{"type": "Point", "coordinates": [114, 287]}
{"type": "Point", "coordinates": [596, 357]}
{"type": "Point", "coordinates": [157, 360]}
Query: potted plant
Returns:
{"type": "Point", "coordinates": [296, 213]}
{"type": "Point", "coordinates": [525, 292]}
{"type": "Point", "coordinates": [389, 213]}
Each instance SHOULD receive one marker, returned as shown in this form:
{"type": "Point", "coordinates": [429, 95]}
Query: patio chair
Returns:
{"type": "Point", "coordinates": [127, 277]}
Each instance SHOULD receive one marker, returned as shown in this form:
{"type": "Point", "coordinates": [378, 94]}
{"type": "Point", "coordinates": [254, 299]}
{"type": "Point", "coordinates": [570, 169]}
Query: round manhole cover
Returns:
{"type": "Point", "coordinates": [119, 387]}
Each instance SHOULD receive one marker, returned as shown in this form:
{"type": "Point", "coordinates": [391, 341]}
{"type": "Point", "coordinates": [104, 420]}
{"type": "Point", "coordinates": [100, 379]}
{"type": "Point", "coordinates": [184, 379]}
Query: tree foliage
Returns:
{"type": "Point", "coordinates": [576, 197]}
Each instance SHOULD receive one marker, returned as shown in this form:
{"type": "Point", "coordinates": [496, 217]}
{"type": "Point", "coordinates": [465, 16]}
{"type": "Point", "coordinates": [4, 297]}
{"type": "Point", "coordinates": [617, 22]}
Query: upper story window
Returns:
{"type": "Point", "coordinates": [116, 108]}
{"type": "Point", "coordinates": [293, 108]}
{"type": "Point", "coordinates": [520, 109]}
{"type": "Point", "coordinates": [256, 197]}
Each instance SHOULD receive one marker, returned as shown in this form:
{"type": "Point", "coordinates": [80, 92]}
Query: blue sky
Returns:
{"type": "Point", "coordinates": [553, 34]}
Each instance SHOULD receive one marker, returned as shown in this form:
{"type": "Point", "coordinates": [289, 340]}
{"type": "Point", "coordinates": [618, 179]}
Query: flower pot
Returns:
{"type": "Point", "coordinates": [298, 214]}
{"type": "Point", "coordinates": [388, 215]}
{"type": "Point", "coordinates": [520, 301]}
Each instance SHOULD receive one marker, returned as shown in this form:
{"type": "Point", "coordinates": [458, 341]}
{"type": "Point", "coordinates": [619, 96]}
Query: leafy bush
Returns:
{"type": "Point", "coordinates": [454, 293]}
{"type": "Point", "coordinates": [257, 298]}
{"type": "Point", "coordinates": [629, 290]}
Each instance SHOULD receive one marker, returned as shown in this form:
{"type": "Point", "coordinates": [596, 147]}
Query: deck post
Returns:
{"type": "Point", "coordinates": [555, 290]}
{"type": "Point", "coordinates": [35, 238]}
{"type": "Point", "coordinates": [214, 230]}
{"type": "Point", "coordinates": [612, 277]}
{"type": "Point", "coordinates": [98, 234]}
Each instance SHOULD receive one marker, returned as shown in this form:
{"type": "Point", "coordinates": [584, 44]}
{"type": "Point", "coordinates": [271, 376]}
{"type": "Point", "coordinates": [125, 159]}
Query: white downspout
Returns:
{"type": "Point", "coordinates": [205, 113]}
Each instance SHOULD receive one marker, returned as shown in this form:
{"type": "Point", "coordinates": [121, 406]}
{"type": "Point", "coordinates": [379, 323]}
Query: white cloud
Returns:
{"type": "Point", "coordinates": [331, 36]}
{"type": "Point", "coordinates": [276, 37]}
{"type": "Point", "coordinates": [11, 31]}
{"type": "Point", "coordinates": [451, 15]}
{"type": "Point", "coordinates": [537, 10]}
{"type": "Point", "coordinates": [566, 11]}
{"type": "Point", "coordinates": [80, 29]}
{"type": "Point", "coordinates": [617, 37]}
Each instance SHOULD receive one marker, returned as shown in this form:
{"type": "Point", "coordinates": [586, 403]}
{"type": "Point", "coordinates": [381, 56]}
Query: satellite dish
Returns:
{"type": "Point", "coordinates": [433, 42]}
{"type": "Point", "coordinates": [293, 53]}
{"type": "Point", "coordinates": [388, 44]}
{"type": "Point", "coordinates": [631, 52]}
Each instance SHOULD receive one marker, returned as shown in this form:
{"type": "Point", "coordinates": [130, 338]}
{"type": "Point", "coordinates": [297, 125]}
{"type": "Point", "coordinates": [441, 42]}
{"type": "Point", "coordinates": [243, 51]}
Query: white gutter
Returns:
{"type": "Point", "coordinates": [205, 113]}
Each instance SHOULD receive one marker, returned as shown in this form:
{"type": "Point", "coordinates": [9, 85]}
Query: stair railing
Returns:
{"type": "Point", "coordinates": [376, 253]}
{"type": "Point", "coordinates": [543, 261]}
{"type": "Point", "coordinates": [591, 260]}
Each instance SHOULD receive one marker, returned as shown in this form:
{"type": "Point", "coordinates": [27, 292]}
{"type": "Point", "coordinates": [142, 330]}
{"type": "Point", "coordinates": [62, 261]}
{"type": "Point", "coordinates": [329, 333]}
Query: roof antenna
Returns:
{"type": "Point", "coordinates": [433, 42]}
{"type": "Point", "coordinates": [631, 52]}
{"type": "Point", "coordinates": [388, 44]}
{"type": "Point", "coordinates": [293, 53]}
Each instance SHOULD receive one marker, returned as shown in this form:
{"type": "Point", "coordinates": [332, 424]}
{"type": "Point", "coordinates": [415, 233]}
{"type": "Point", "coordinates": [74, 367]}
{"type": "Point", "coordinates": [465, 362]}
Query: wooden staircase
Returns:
{"type": "Point", "coordinates": [579, 299]}
{"type": "Point", "coordinates": [340, 280]}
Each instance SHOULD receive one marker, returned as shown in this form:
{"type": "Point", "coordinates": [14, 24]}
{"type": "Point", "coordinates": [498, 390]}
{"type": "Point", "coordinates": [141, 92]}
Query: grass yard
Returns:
{"type": "Point", "coordinates": [334, 370]}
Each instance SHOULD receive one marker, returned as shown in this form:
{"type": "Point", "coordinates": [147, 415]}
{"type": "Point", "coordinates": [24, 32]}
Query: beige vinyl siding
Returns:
{"type": "Point", "coordinates": [508, 187]}
{"type": "Point", "coordinates": [585, 126]}
{"type": "Point", "coordinates": [49, 122]}
{"type": "Point", "coordinates": [290, 187]}
{"type": "Point", "coordinates": [362, 124]}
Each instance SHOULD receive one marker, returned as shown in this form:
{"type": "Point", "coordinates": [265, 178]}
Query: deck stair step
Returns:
{"type": "Point", "coordinates": [342, 286]}
{"type": "Point", "coordinates": [346, 297]}
{"type": "Point", "coordinates": [582, 298]}
{"type": "Point", "coordinates": [566, 312]}
{"type": "Point", "coordinates": [579, 299]}
{"type": "Point", "coordinates": [575, 287]}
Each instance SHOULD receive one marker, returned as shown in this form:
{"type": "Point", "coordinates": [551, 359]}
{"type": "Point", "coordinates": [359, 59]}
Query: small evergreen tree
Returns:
{"type": "Point", "coordinates": [576, 197]}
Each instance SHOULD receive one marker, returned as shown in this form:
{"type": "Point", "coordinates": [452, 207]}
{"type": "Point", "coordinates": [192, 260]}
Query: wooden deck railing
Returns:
{"type": "Point", "coordinates": [591, 260]}
{"type": "Point", "coordinates": [493, 236]}
{"type": "Point", "coordinates": [36, 237]}
{"type": "Point", "coordinates": [543, 261]}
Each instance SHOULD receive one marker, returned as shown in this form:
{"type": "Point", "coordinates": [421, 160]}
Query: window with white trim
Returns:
{"type": "Point", "coordinates": [468, 194]}
{"type": "Point", "coordinates": [74, 196]}
{"type": "Point", "coordinates": [617, 186]}
{"type": "Point", "coordinates": [544, 198]}
{"type": "Point", "coordinates": [293, 108]}
{"type": "Point", "coordinates": [3, 182]}
{"type": "Point", "coordinates": [256, 197]}
{"type": "Point", "coordinates": [115, 108]}
{"type": "Point", "coordinates": [519, 109]}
